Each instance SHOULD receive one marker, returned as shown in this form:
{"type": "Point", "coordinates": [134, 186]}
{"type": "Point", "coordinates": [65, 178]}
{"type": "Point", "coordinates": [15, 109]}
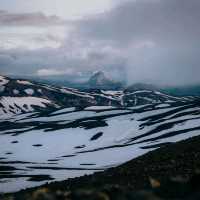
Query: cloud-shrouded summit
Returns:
{"type": "Point", "coordinates": [153, 41]}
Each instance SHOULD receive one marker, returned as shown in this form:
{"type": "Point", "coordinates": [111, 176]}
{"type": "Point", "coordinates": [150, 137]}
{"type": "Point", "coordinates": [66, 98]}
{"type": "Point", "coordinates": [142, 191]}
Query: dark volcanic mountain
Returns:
{"type": "Point", "coordinates": [100, 81]}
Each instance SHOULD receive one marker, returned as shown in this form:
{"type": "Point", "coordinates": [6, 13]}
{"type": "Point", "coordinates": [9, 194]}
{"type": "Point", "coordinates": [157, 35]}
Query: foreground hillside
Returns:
{"type": "Point", "coordinates": [171, 172]}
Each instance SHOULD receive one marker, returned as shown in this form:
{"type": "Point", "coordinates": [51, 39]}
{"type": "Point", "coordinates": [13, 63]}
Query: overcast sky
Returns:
{"type": "Point", "coordinates": [152, 41]}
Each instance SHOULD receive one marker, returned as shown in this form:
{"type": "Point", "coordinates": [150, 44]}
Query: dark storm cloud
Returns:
{"type": "Point", "coordinates": [158, 38]}
{"type": "Point", "coordinates": [163, 20]}
{"type": "Point", "coordinates": [28, 19]}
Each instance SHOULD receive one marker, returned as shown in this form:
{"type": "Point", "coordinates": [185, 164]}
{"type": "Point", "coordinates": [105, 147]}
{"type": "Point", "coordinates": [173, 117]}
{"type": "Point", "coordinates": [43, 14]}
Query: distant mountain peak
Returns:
{"type": "Point", "coordinates": [100, 81]}
{"type": "Point", "coordinates": [141, 86]}
{"type": "Point", "coordinates": [99, 78]}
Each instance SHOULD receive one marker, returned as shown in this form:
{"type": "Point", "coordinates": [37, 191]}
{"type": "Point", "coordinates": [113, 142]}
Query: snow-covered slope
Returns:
{"type": "Point", "coordinates": [17, 105]}
{"type": "Point", "coordinates": [40, 147]}
{"type": "Point", "coordinates": [18, 96]}
{"type": "Point", "coordinates": [21, 96]}
{"type": "Point", "coordinates": [142, 97]}
{"type": "Point", "coordinates": [54, 133]}
{"type": "Point", "coordinates": [3, 80]}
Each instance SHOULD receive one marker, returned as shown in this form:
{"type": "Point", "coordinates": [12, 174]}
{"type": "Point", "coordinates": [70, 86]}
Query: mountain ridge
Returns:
{"type": "Point", "coordinates": [21, 96]}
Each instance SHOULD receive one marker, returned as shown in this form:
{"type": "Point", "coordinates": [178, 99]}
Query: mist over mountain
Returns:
{"type": "Point", "coordinates": [90, 80]}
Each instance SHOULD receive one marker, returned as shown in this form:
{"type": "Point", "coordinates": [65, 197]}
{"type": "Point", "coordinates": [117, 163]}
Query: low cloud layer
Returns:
{"type": "Point", "coordinates": [28, 19]}
{"type": "Point", "coordinates": [152, 41]}
{"type": "Point", "coordinates": [157, 38]}
{"type": "Point", "coordinates": [54, 72]}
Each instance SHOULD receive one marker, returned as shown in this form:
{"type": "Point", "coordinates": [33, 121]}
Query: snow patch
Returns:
{"type": "Point", "coordinates": [24, 82]}
{"type": "Point", "coordinates": [80, 94]}
{"type": "Point", "coordinates": [39, 90]}
{"type": "Point", "coordinates": [29, 91]}
{"type": "Point", "coordinates": [112, 92]}
{"type": "Point", "coordinates": [99, 107]}
{"type": "Point", "coordinates": [3, 81]}
{"type": "Point", "coordinates": [15, 92]}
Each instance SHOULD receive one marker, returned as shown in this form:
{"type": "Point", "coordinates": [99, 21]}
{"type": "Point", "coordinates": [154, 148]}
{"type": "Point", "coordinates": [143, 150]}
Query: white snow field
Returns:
{"type": "Point", "coordinates": [36, 148]}
{"type": "Point", "coordinates": [17, 105]}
